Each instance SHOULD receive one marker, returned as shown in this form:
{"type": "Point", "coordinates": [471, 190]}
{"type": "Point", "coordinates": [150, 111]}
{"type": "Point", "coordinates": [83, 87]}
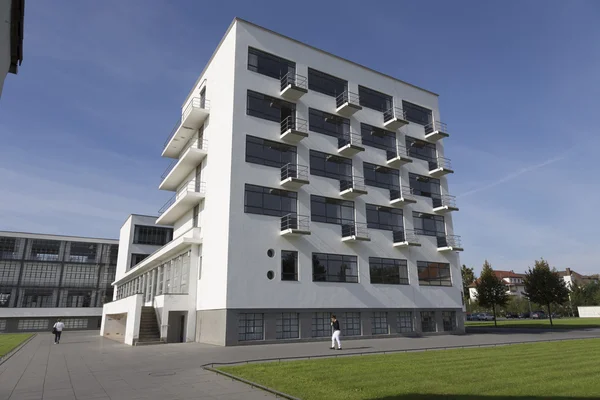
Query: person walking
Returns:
{"type": "Point", "coordinates": [335, 337]}
{"type": "Point", "coordinates": [57, 330]}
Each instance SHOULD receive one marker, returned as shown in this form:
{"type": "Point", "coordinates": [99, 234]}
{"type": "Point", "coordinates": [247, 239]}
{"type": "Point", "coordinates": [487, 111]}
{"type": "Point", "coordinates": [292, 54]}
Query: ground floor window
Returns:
{"type": "Point", "coordinates": [32, 324]}
{"type": "Point", "coordinates": [379, 324]}
{"type": "Point", "coordinates": [76, 323]}
{"type": "Point", "coordinates": [405, 322]}
{"type": "Point", "coordinates": [287, 326]}
{"type": "Point", "coordinates": [321, 324]}
{"type": "Point", "coordinates": [428, 321]}
{"type": "Point", "coordinates": [2, 324]}
{"type": "Point", "coordinates": [250, 327]}
{"type": "Point", "coordinates": [449, 320]}
{"type": "Point", "coordinates": [350, 324]}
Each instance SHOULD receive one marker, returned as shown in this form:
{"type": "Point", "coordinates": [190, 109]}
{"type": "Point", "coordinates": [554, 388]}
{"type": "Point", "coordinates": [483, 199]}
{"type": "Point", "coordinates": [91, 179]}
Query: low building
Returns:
{"type": "Point", "coordinates": [11, 37]}
{"type": "Point", "coordinates": [573, 278]}
{"type": "Point", "coordinates": [512, 280]}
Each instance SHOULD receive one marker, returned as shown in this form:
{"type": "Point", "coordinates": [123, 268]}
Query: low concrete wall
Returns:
{"type": "Point", "coordinates": [132, 307]}
{"type": "Point", "coordinates": [589, 312]}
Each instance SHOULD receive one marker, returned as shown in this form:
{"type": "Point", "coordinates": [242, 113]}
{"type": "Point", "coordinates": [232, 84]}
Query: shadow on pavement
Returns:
{"type": "Point", "coordinates": [415, 396]}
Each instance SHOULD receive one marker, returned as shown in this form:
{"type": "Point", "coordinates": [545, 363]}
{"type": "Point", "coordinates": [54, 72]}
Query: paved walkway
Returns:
{"type": "Point", "coordinates": [87, 367]}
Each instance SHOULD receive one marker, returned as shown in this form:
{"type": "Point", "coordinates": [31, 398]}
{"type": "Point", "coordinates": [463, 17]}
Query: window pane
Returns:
{"type": "Point", "coordinates": [269, 64]}
{"type": "Point", "coordinates": [325, 83]}
{"type": "Point", "coordinates": [373, 99]}
{"type": "Point", "coordinates": [334, 268]}
{"type": "Point", "coordinates": [417, 114]}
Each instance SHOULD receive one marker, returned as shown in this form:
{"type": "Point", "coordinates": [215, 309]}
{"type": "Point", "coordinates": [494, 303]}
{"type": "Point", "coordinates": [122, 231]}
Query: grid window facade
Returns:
{"type": "Point", "coordinates": [434, 274]}
{"type": "Point", "coordinates": [45, 250]}
{"type": "Point", "coordinates": [374, 100]}
{"type": "Point", "coordinates": [330, 166]}
{"type": "Point", "coordinates": [152, 235]}
{"type": "Point", "coordinates": [269, 153]}
{"type": "Point", "coordinates": [388, 271]}
{"type": "Point", "coordinates": [137, 258]}
{"type": "Point", "coordinates": [351, 321]}
{"type": "Point", "coordinates": [32, 324]}
{"type": "Point", "coordinates": [428, 321]}
{"type": "Point", "coordinates": [385, 218]}
{"type": "Point", "coordinates": [449, 320]}
{"type": "Point", "coordinates": [250, 327]}
{"type": "Point", "coordinates": [41, 274]}
{"type": "Point", "coordinates": [405, 322]}
{"type": "Point", "coordinates": [429, 224]}
{"type": "Point", "coordinates": [37, 298]}
{"type": "Point", "coordinates": [2, 324]}
{"type": "Point", "coordinates": [76, 323]}
{"type": "Point", "coordinates": [288, 326]}
{"type": "Point", "coordinates": [379, 323]}
{"type": "Point", "coordinates": [83, 252]}
{"type": "Point", "coordinates": [331, 211]}
{"type": "Point", "coordinates": [270, 108]}
{"type": "Point", "coordinates": [417, 114]}
{"type": "Point", "coordinates": [382, 177]}
{"type": "Point", "coordinates": [325, 83]}
{"type": "Point", "coordinates": [267, 201]}
{"type": "Point", "coordinates": [9, 248]}
{"type": "Point", "coordinates": [334, 268]}
{"type": "Point", "coordinates": [321, 324]}
{"type": "Point", "coordinates": [76, 299]}
{"type": "Point", "coordinates": [269, 64]}
{"type": "Point", "coordinates": [377, 137]}
{"type": "Point", "coordinates": [9, 272]}
{"type": "Point", "coordinates": [80, 276]}
{"type": "Point", "coordinates": [328, 124]}
{"type": "Point", "coordinates": [289, 265]}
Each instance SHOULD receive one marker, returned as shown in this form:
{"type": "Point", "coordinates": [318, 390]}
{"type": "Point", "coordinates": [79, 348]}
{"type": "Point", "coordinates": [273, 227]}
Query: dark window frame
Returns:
{"type": "Point", "coordinates": [341, 277]}
{"type": "Point", "coordinates": [421, 149]}
{"type": "Point", "coordinates": [426, 186]}
{"type": "Point", "coordinates": [374, 99]}
{"type": "Point", "coordinates": [333, 161]}
{"type": "Point", "coordinates": [137, 258]}
{"type": "Point", "coordinates": [437, 279]}
{"type": "Point", "coordinates": [272, 212]}
{"type": "Point", "coordinates": [377, 137]}
{"type": "Point", "coordinates": [288, 276]}
{"type": "Point", "coordinates": [328, 124]}
{"type": "Point", "coordinates": [392, 271]}
{"type": "Point", "coordinates": [329, 203]}
{"type": "Point", "coordinates": [318, 80]}
{"type": "Point", "coordinates": [255, 108]}
{"type": "Point", "coordinates": [384, 222]}
{"type": "Point", "coordinates": [416, 113]}
{"type": "Point", "coordinates": [152, 235]}
{"type": "Point", "coordinates": [268, 149]}
{"type": "Point", "coordinates": [379, 170]}
{"type": "Point", "coordinates": [272, 66]}
{"type": "Point", "coordinates": [422, 230]}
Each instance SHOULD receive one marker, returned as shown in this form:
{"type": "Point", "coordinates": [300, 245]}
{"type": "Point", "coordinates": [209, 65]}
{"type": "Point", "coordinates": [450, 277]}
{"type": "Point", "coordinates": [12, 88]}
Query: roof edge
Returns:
{"type": "Point", "coordinates": [33, 234]}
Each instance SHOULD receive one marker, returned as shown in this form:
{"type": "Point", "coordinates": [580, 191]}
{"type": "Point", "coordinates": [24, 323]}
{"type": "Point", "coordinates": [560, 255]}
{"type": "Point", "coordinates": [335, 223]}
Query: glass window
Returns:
{"type": "Point", "coordinates": [331, 211]}
{"type": "Point", "coordinates": [113, 251]}
{"type": "Point", "coordinates": [416, 114]}
{"type": "Point", "coordinates": [429, 224]}
{"type": "Point", "coordinates": [405, 322]}
{"type": "Point", "coordinates": [250, 327]}
{"type": "Point", "coordinates": [388, 271]}
{"type": "Point", "coordinates": [8, 248]}
{"type": "Point", "coordinates": [379, 324]}
{"type": "Point", "coordinates": [2, 324]}
{"type": "Point", "coordinates": [45, 250]}
{"type": "Point", "coordinates": [386, 218]}
{"type": "Point", "coordinates": [137, 258]}
{"type": "Point", "coordinates": [379, 176]}
{"type": "Point", "coordinates": [330, 166]}
{"type": "Point", "coordinates": [334, 268]}
{"type": "Point", "coordinates": [76, 323]}
{"type": "Point", "coordinates": [32, 324]}
{"type": "Point", "coordinates": [426, 186]}
{"type": "Point", "coordinates": [287, 326]}
{"type": "Point", "coordinates": [374, 100]}
{"type": "Point", "coordinates": [267, 201]}
{"type": "Point", "coordinates": [421, 149]}
{"type": "Point", "coordinates": [83, 252]}
{"type": "Point", "coordinates": [434, 274]}
{"type": "Point", "coordinates": [267, 152]}
{"type": "Point", "coordinates": [152, 235]}
{"type": "Point", "coordinates": [289, 265]}
{"type": "Point", "coordinates": [377, 137]}
{"type": "Point", "coordinates": [80, 276]}
{"type": "Point", "coordinates": [269, 108]}
{"type": "Point", "coordinates": [449, 320]}
{"type": "Point", "coordinates": [351, 321]}
{"type": "Point", "coordinates": [325, 83]}
{"type": "Point", "coordinates": [9, 272]}
{"type": "Point", "coordinates": [37, 298]}
{"type": "Point", "coordinates": [321, 324]}
{"type": "Point", "coordinates": [428, 321]}
{"type": "Point", "coordinates": [269, 64]}
{"type": "Point", "coordinates": [41, 274]}
{"type": "Point", "coordinates": [328, 124]}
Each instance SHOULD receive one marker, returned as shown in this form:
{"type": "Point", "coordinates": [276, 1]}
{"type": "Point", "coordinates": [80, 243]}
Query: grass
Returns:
{"type": "Point", "coordinates": [557, 370]}
{"type": "Point", "coordinates": [560, 323]}
{"type": "Point", "coordinates": [9, 341]}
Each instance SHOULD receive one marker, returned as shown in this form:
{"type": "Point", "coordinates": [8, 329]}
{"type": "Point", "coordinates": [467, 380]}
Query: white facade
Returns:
{"type": "Point", "coordinates": [228, 247]}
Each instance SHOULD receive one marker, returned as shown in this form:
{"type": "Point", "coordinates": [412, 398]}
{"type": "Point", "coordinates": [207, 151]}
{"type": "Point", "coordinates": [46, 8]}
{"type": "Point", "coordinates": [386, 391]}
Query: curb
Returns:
{"type": "Point", "coordinates": [253, 384]}
{"type": "Point", "coordinates": [11, 353]}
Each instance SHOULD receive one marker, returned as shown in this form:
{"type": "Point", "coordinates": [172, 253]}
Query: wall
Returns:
{"type": "Point", "coordinates": [50, 312]}
{"type": "Point", "coordinates": [4, 40]}
{"type": "Point", "coordinates": [589, 312]}
{"type": "Point", "coordinates": [132, 306]}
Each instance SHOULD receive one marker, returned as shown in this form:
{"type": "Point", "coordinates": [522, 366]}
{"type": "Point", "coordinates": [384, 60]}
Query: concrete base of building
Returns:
{"type": "Point", "coordinates": [44, 324]}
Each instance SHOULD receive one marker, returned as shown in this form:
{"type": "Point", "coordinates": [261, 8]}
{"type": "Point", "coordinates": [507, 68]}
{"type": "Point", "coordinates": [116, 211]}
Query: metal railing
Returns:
{"type": "Point", "coordinates": [295, 222]}
{"type": "Point", "coordinates": [444, 200]}
{"type": "Point", "coordinates": [394, 112]}
{"type": "Point", "coordinates": [436, 126]}
{"type": "Point", "coordinates": [357, 229]}
{"type": "Point", "coordinates": [352, 182]}
{"type": "Point", "coordinates": [294, 171]}
{"type": "Point", "coordinates": [352, 138]}
{"type": "Point", "coordinates": [169, 168]}
{"type": "Point", "coordinates": [294, 124]}
{"type": "Point", "coordinates": [347, 97]}
{"type": "Point", "coordinates": [403, 192]}
{"type": "Point", "coordinates": [293, 79]}
{"type": "Point", "coordinates": [195, 143]}
{"type": "Point", "coordinates": [440, 162]}
{"type": "Point", "coordinates": [400, 152]}
{"type": "Point", "coordinates": [449, 241]}
{"type": "Point", "coordinates": [190, 187]}
{"type": "Point", "coordinates": [195, 102]}
{"type": "Point", "coordinates": [406, 235]}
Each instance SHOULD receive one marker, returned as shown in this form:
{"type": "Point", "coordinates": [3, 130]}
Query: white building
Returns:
{"type": "Point", "coordinates": [305, 185]}
{"type": "Point", "coordinates": [11, 37]}
{"type": "Point", "coordinates": [512, 280]}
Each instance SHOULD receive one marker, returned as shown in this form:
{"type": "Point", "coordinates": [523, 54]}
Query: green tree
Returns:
{"type": "Point", "coordinates": [491, 292]}
{"type": "Point", "coordinates": [468, 277]}
{"type": "Point", "coordinates": [544, 286]}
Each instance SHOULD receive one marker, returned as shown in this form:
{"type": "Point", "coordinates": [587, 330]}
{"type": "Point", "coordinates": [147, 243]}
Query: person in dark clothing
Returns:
{"type": "Point", "coordinates": [335, 337]}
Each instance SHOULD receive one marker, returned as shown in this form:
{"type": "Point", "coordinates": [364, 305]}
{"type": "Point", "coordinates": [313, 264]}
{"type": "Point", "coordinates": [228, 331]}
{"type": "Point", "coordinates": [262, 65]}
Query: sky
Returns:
{"type": "Point", "coordinates": [102, 82]}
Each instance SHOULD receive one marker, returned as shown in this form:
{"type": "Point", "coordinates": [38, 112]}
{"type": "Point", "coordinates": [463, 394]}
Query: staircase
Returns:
{"type": "Point", "coordinates": [149, 330]}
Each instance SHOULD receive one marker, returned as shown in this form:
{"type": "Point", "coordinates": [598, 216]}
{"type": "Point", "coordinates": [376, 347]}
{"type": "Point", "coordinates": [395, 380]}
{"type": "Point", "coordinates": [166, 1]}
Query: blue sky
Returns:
{"type": "Point", "coordinates": [83, 122]}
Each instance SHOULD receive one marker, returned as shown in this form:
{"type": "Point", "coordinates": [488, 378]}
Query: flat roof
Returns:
{"type": "Point", "coordinates": [57, 237]}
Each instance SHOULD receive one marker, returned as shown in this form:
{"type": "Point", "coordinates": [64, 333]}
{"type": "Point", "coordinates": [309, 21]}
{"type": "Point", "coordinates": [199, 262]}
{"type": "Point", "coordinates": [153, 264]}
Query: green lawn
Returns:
{"type": "Point", "coordinates": [560, 323]}
{"type": "Point", "coordinates": [528, 371]}
{"type": "Point", "coordinates": [9, 341]}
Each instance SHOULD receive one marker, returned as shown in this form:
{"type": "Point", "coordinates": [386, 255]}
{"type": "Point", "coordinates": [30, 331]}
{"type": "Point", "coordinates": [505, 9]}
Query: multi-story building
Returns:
{"type": "Point", "coordinates": [11, 37]}
{"type": "Point", "coordinates": [305, 184]}
{"type": "Point", "coordinates": [512, 280]}
{"type": "Point", "coordinates": [45, 277]}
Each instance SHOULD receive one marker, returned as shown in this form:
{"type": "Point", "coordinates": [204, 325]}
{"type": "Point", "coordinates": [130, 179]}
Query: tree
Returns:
{"type": "Point", "coordinates": [545, 286]}
{"type": "Point", "coordinates": [467, 278]}
{"type": "Point", "coordinates": [491, 291]}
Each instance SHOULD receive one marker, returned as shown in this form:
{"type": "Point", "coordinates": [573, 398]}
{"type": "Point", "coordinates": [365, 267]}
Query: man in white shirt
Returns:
{"type": "Point", "coordinates": [57, 329]}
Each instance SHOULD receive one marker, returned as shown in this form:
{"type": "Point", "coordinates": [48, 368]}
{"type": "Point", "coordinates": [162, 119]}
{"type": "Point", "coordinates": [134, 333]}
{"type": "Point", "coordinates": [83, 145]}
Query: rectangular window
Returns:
{"type": "Point", "coordinates": [379, 324]}
{"type": "Point", "coordinates": [250, 327]}
{"type": "Point", "coordinates": [434, 274]}
{"type": "Point", "coordinates": [385, 218]}
{"type": "Point", "coordinates": [83, 252]}
{"type": "Point", "coordinates": [76, 323]}
{"type": "Point", "coordinates": [325, 83]}
{"type": "Point", "coordinates": [137, 258]}
{"type": "Point", "coordinates": [374, 100]}
{"type": "Point", "coordinates": [269, 153]}
{"type": "Point", "coordinates": [427, 187]}
{"type": "Point", "coordinates": [421, 149]}
{"type": "Point", "coordinates": [328, 124]}
{"type": "Point", "coordinates": [196, 216]}
{"type": "Point", "coordinates": [113, 253]}
{"type": "Point", "coordinates": [42, 274]}
{"type": "Point", "coordinates": [382, 177]}
{"type": "Point", "coordinates": [330, 166]}
{"type": "Point", "coordinates": [8, 248]}
{"type": "Point", "coordinates": [377, 137]}
{"type": "Point", "coordinates": [267, 201]}
{"type": "Point", "coordinates": [417, 114]}
{"type": "Point", "coordinates": [321, 324]}
{"type": "Point", "coordinates": [351, 324]}
{"type": "Point", "coordinates": [2, 324]}
{"type": "Point", "coordinates": [449, 320]}
{"type": "Point", "coordinates": [268, 64]}
{"type": "Point", "coordinates": [289, 265]}
{"type": "Point", "coordinates": [429, 224]}
{"type": "Point", "coordinates": [270, 108]}
{"type": "Point", "coordinates": [152, 235]}
{"type": "Point", "coordinates": [334, 268]}
{"type": "Point", "coordinates": [32, 324]}
{"type": "Point", "coordinates": [9, 272]}
{"type": "Point", "coordinates": [331, 211]}
{"type": "Point", "coordinates": [37, 298]}
{"type": "Point", "coordinates": [287, 326]}
{"type": "Point", "coordinates": [389, 271]}
{"type": "Point", "coordinates": [428, 321]}
{"type": "Point", "coordinates": [45, 250]}
{"type": "Point", "coordinates": [77, 276]}
{"type": "Point", "coordinates": [405, 322]}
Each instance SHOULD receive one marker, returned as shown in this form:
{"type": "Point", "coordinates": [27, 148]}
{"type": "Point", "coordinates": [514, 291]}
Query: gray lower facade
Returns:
{"type": "Point", "coordinates": [41, 324]}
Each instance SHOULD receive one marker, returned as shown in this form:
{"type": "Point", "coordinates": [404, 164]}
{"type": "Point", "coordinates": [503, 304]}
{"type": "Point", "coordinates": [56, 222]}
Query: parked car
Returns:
{"type": "Point", "coordinates": [538, 315]}
{"type": "Point", "coordinates": [485, 317]}
{"type": "Point", "coordinates": [524, 315]}
{"type": "Point", "coordinates": [470, 317]}
{"type": "Point", "coordinates": [512, 315]}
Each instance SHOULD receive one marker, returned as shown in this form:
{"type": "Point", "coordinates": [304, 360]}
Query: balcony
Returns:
{"type": "Point", "coordinates": [295, 225]}
{"type": "Point", "coordinates": [192, 118]}
{"type": "Point", "coordinates": [406, 238]}
{"type": "Point", "coordinates": [191, 156]}
{"type": "Point", "coordinates": [187, 197]}
{"type": "Point", "coordinates": [449, 243]}
{"type": "Point", "coordinates": [352, 187]}
{"type": "Point", "coordinates": [435, 131]}
{"type": "Point", "coordinates": [402, 196]}
{"type": "Point", "coordinates": [395, 159]}
{"type": "Point", "coordinates": [293, 129]}
{"type": "Point", "coordinates": [294, 176]}
{"type": "Point", "coordinates": [444, 204]}
{"type": "Point", "coordinates": [350, 144]}
{"type": "Point", "coordinates": [440, 167]}
{"type": "Point", "coordinates": [356, 232]}
{"type": "Point", "coordinates": [293, 86]}
{"type": "Point", "coordinates": [347, 103]}
{"type": "Point", "coordinates": [394, 118]}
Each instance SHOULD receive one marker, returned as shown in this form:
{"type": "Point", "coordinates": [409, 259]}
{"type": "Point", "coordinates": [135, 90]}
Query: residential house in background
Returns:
{"type": "Point", "coordinates": [512, 280]}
